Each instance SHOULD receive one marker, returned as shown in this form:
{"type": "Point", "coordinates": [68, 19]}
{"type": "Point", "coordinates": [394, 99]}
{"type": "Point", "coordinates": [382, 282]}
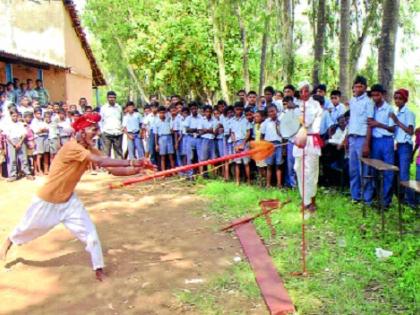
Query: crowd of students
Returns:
{"type": "Point", "coordinates": [174, 133]}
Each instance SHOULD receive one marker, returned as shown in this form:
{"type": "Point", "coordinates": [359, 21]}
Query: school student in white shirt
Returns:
{"type": "Point", "coordinates": [15, 135]}
{"type": "Point", "coordinates": [40, 130]}
{"type": "Point", "coordinates": [270, 131]}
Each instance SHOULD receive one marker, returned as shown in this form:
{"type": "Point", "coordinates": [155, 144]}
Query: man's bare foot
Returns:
{"type": "Point", "coordinates": [5, 248]}
{"type": "Point", "coordinates": [100, 275]}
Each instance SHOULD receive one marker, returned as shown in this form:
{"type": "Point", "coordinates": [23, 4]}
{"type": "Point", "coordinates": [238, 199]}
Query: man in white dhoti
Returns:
{"type": "Point", "coordinates": [56, 201]}
{"type": "Point", "coordinates": [307, 157]}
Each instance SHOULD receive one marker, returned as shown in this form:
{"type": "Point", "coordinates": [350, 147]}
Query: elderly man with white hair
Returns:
{"type": "Point", "coordinates": [307, 149]}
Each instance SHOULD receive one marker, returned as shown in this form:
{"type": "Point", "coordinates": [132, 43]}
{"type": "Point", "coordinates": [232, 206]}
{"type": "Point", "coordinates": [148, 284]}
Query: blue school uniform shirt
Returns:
{"type": "Point", "coordinates": [270, 130]}
{"type": "Point", "coordinates": [239, 127]}
{"type": "Point", "coordinates": [132, 122]}
{"type": "Point", "coordinates": [407, 118]}
{"type": "Point", "coordinates": [381, 115]}
{"type": "Point", "coordinates": [326, 122]}
{"type": "Point", "coordinates": [337, 111]}
{"type": "Point", "coordinates": [361, 108]}
{"type": "Point", "coordinates": [328, 105]}
{"type": "Point", "coordinates": [162, 127]}
{"type": "Point", "coordinates": [208, 124]}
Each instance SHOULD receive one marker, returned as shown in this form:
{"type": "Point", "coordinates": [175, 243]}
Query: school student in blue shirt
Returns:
{"type": "Point", "coordinates": [240, 135]}
{"type": "Point", "coordinates": [321, 90]}
{"type": "Point", "coordinates": [132, 128]}
{"type": "Point", "coordinates": [382, 141]}
{"type": "Point", "coordinates": [338, 109]}
{"type": "Point", "coordinates": [207, 130]}
{"type": "Point", "coordinates": [270, 131]}
{"type": "Point", "coordinates": [405, 122]}
{"type": "Point", "coordinates": [163, 139]}
{"type": "Point", "coordinates": [192, 125]}
{"type": "Point", "coordinates": [361, 111]}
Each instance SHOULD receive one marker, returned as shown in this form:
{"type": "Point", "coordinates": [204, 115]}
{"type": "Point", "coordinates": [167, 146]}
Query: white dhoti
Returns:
{"type": "Point", "coordinates": [307, 176]}
{"type": "Point", "coordinates": [42, 216]}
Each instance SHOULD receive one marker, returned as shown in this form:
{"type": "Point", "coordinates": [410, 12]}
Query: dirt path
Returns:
{"type": "Point", "coordinates": [152, 245]}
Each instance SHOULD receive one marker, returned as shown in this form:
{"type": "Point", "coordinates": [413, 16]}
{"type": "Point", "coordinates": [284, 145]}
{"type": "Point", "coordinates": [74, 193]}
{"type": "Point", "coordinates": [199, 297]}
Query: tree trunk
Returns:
{"type": "Point", "coordinates": [131, 70]}
{"type": "Point", "coordinates": [264, 47]}
{"type": "Point", "coordinates": [219, 50]}
{"type": "Point", "coordinates": [245, 58]}
{"type": "Point", "coordinates": [344, 48]}
{"type": "Point", "coordinates": [319, 42]}
{"type": "Point", "coordinates": [288, 53]}
{"type": "Point", "coordinates": [386, 51]}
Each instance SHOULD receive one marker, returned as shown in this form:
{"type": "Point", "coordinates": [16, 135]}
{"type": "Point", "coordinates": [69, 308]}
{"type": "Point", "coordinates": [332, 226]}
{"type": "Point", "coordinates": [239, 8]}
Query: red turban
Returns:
{"type": "Point", "coordinates": [404, 94]}
{"type": "Point", "coordinates": [86, 120]}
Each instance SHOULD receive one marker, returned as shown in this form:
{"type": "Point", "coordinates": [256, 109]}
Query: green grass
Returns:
{"type": "Point", "coordinates": [345, 275]}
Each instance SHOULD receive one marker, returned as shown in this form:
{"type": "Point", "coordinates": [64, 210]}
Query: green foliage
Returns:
{"type": "Point", "coordinates": [169, 44]}
{"type": "Point", "coordinates": [345, 275]}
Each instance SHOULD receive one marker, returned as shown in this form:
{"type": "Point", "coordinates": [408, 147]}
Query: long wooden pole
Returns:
{"type": "Point", "coordinates": [179, 169]}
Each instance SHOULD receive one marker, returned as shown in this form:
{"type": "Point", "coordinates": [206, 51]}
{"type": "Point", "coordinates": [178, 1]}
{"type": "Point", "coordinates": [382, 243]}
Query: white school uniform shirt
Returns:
{"type": "Point", "coordinates": [22, 109]}
{"type": "Point", "coordinates": [37, 125]}
{"type": "Point", "coordinates": [227, 128]}
{"type": "Point", "coordinates": [162, 127]}
{"type": "Point", "coordinates": [313, 116]}
{"type": "Point", "coordinates": [270, 130]}
{"type": "Point", "coordinates": [64, 127]}
{"type": "Point", "coordinates": [15, 130]}
{"type": "Point", "coordinates": [219, 122]}
{"type": "Point", "coordinates": [150, 121]}
{"type": "Point", "coordinates": [279, 105]}
{"type": "Point", "coordinates": [194, 123]}
{"type": "Point", "coordinates": [111, 119]}
{"type": "Point", "coordinates": [208, 124]}
{"type": "Point", "coordinates": [175, 122]}
{"type": "Point", "coordinates": [239, 127]}
{"type": "Point", "coordinates": [183, 124]}
{"type": "Point", "coordinates": [52, 130]}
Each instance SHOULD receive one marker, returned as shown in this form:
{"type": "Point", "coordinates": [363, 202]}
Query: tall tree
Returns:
{"type": "Point", "coordinates": [321, 23]}
{"type": "Point", "coordinates": [245, 57]}
{"type": "Point", "coordinates": [386, 51]}
{"type": "Point", "coordinates": [264, 45]}
{"type": "Point", "coordinates": [219, 49]}
{"type": "Point", "coordinates": [287, 30]}
{"type": "Point", "coordinates": [344, 48]}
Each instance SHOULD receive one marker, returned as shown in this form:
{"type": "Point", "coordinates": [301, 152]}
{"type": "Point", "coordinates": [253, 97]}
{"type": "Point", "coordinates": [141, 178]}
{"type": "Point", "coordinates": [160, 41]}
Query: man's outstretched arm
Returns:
{"type": "Point", "coordinates": [105, 162]}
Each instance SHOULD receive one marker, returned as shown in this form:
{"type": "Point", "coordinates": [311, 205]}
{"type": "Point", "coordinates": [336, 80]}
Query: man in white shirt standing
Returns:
{"type": "Point", "coordinates": [307, 158]}
{"type": "Point", "coordinates": [111, 126]}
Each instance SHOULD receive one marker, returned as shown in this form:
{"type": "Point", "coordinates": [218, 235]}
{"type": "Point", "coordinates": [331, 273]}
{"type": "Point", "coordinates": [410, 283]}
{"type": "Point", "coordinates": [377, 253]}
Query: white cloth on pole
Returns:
{"type": "Point", "coordinates": [42, 216]}
{"type": "Point", "coordinates": [311, 176]}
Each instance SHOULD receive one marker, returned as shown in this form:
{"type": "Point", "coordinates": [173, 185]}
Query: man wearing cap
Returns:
{"type": "Point", "coordinates": [382, 141]}
{"type": "Point", "coordinates": [307, 155]}
{"type": "Point", "coordinates": [405, 122]}
{"type": "Point", "coordinates": [111, 125]}
{"type": "Point", "coordinates": [56, 202]}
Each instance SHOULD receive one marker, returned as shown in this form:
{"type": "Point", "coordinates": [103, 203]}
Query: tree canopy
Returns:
{"type": "Point", "coordinates": [211, 49]}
